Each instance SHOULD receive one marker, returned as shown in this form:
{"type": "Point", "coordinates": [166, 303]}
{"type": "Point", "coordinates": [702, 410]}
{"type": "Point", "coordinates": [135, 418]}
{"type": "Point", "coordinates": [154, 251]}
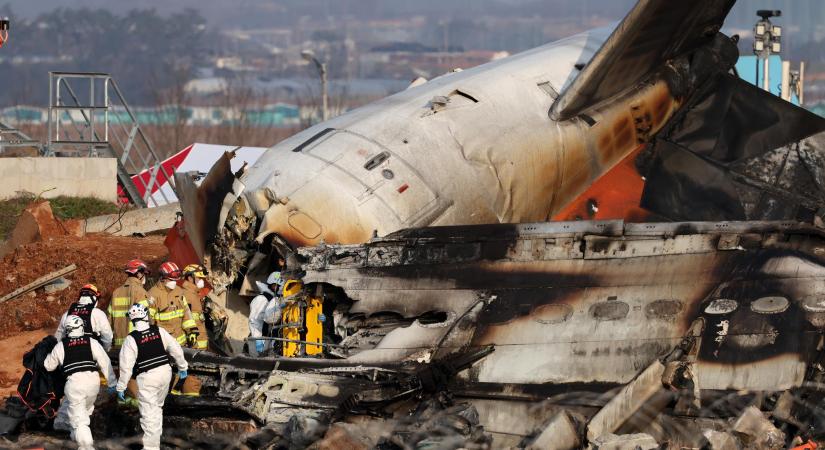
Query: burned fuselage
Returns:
{"type": "Point", "coordinates": [563, 307]}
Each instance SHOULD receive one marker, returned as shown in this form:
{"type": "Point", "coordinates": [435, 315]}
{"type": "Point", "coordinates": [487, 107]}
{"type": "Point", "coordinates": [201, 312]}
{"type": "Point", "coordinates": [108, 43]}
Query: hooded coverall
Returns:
{"type": "Point", "coordinates": [195, 301]}
{"type": "Point", "coordinates": [131, 292]}
{"type": "Point", "coordinates": [257, 322]}
{"type": "Point", "coordinates": [153, 384]}
{"type": "Point", "coordinates": [97, 323]}
{"type": "Point", "coordinates": [82, 383]}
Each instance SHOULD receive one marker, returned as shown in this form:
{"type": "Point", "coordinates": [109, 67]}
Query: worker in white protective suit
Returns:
{"type": "Point", "coordinates": [81, 358]}
{"type": "Point", "coordinates": [263, 310]}
{"type": "Point", "coordinates": [95, 321]}
{"type": "Point", "coordinates": [145, 356]}
{"type": "Point", "coordinates": [95, 325]}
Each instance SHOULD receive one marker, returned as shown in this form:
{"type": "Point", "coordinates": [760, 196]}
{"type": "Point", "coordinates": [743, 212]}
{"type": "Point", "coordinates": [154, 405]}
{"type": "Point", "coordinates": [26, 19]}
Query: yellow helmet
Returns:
{"type": "Point", "coordinates": [195, 270]}
{"type": "Point", "coordinates": [292, 287]}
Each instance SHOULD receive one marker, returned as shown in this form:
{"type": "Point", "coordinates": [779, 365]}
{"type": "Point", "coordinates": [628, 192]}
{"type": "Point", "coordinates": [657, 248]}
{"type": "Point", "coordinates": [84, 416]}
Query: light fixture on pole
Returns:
{"type": "Point", "coordinates": [309, 55]}
{"type": "Point", "coordinates": [767, 40]}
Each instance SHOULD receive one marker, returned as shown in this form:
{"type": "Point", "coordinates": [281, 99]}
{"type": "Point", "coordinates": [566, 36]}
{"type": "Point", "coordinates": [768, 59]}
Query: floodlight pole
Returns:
{"type": "Point", "coordinates": [765, 37]}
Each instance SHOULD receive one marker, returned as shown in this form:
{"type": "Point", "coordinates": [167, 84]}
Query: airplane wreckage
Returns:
{"type": "Point", "coordinates": [445, 318]}
{"type": "Point", "coordinates": [460, 312]}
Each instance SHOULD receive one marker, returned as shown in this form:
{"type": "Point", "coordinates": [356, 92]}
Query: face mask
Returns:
{"type": "Point", "coordinates": [199, 283]}
{"type": "Point", "coordinates": [170, 284]}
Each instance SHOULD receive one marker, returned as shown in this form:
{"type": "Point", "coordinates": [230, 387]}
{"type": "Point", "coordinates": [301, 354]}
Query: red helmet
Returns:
{"type": "Point", "coordinates": [136, 266]}
{"type": "Point", "coordinates": [170, 270]}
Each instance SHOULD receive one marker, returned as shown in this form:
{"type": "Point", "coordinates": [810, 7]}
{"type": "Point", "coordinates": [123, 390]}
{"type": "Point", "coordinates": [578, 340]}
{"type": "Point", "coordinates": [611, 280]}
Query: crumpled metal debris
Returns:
{"type": "Point", "coordinates": [639, 441]}
{"type": "Point", "coordinates": [756, 431]}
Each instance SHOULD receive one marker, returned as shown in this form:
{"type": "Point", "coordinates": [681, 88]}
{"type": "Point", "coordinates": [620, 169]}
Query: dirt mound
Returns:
{"type": "Point", "coordinates": [38, 223]}
{"type": "Point", "coordinates": [99, 259]}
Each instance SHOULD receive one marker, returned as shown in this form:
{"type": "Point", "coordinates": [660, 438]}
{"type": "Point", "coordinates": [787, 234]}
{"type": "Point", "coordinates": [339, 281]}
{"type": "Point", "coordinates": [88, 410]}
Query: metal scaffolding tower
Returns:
{"type": "Point", "coordinates": [103, 126]}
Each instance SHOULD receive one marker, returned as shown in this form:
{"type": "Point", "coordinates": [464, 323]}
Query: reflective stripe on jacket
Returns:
{"type": "Point", "coordinates": [130, 292]}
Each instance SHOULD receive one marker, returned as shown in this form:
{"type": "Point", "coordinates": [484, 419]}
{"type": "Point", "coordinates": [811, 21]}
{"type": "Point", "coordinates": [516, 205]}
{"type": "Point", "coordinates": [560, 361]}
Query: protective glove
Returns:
{"type": "Point", "coordinates": [192, 339]}
{"type": "Point", "coordinates": [182, 374]}
{"type": "Point", "coordinates": [121, 396]}
{"type": "Point", "coordinates": [322, 318]}
{"type": "Point", "coordinates": [259, 346]}
{"type": "Point", "coordinates": [111, 390]}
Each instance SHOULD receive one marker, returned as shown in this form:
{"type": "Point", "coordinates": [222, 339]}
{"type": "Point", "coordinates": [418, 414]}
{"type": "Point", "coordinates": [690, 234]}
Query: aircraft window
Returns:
{"type": "Point", "coordinates": [550, 314]}
{"type": "Point", "coordinates": [609, 310]}
{"type": "Point", "coordinates": [663, 309]}
{"type": "Point", "coordinates": [721, 306]}
{"type": "Point", "coordinates": [548, 89]}
{"type": "Point", "coordinates": [309, 141]}
{"type": "Point", "coordinates": [814, 303]}
{"type": "Point", "coordinates": [376, 160]}
{"type": "Point", "coordinates": [770, 305]}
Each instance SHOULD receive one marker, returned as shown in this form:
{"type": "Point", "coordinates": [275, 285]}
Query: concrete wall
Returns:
{"type": "Point", "coordinates": [146, 220]}
{"type": "Point", "coordinates": [77, 177]}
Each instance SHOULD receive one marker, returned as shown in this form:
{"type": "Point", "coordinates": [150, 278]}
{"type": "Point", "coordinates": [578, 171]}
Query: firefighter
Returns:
{"type": "Point", "coordinates": [130, 292]}
{"type": "Point", "coordinates": [95, 321]}
{"type": "Point", "coordinates": [80, 357]}
{"type": "Point", "coordinates": [194, 287]}
{"type": "Point", "coordinates": [145, 356]}
{"type": "Point", "coordinates": [259, 322]}
{"type": "Point", "coordinates": [171, 308]}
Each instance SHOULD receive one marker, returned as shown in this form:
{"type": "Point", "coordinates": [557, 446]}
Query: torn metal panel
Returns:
{"type": "Point", "coordinates": [627, 402]}
{"type": "Point", "coordinates": [557, 314]}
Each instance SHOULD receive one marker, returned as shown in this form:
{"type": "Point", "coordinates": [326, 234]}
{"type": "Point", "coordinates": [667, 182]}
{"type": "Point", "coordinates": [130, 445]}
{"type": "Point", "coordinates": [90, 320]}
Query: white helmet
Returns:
{"type": "Point", "coordinates": [138, 312]}
{"type": "Point", "coordinates": [74, 326]}
{"type": "Point", "coordinates": [274, 278]}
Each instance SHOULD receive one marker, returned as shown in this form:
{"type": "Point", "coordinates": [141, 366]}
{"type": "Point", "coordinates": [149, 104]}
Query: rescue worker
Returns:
{"type": "Point", "coordinates": [130, 292]}
{"type": "Point", "coordinates": [194, 287]}
{"type": "Point", "coordinates": [95, 321]}
{"type": "Point", "coordinates": [80, 357]}
{"type": "Point", "coordinates": [145, 356]}
{"type": "Point", "coordinates": [95, 325]}
{"type": "Point", "coordinates": [170, 305]}
{"type": "Point", "coordinates": [259, 322]}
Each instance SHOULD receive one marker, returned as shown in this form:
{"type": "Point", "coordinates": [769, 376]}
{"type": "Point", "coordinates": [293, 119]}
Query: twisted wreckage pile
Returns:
{"type": "Point", "coordinates": [550, 335]}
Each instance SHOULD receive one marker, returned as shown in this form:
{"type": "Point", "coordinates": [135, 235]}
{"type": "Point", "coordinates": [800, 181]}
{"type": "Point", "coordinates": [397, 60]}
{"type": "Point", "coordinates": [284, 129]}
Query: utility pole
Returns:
{"type": "Point", "coordinates": [322, 72]}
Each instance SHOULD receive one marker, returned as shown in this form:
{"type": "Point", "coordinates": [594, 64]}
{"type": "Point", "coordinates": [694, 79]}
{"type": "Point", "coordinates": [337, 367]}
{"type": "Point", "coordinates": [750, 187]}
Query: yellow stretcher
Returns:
{"type": "Point", "coordinates": [300, 320]}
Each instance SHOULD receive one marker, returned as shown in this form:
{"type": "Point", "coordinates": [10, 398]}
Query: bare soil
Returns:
{"type": "Point", "coordinates": [99, 259]}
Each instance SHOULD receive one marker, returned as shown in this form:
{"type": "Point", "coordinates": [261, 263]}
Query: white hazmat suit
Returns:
{"type": "Point", "coordinates": [81, 391]}
{"type": "Point", "coordinates": [153, 385]}
{"type": "Point", "coordinates": [100, 325]}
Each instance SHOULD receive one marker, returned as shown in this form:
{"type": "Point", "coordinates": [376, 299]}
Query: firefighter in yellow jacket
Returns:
{"type": "Point", "coordinates": [130, 292]}
{"type": "Point", "coordinates": [194, 287]}
{"type": "Point", "coordinates": [172, 312]}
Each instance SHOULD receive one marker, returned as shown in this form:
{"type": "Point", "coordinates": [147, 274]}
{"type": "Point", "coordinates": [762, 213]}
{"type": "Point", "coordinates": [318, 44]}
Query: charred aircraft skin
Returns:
{"type": "Point", "coordinates": [508, 141]}
{"type": "Point", "coordinates": [546, 310]}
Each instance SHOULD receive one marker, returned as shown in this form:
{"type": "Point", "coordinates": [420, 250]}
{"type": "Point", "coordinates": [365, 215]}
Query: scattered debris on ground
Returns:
{"type": "Point", "coordinates": [47, 282]}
